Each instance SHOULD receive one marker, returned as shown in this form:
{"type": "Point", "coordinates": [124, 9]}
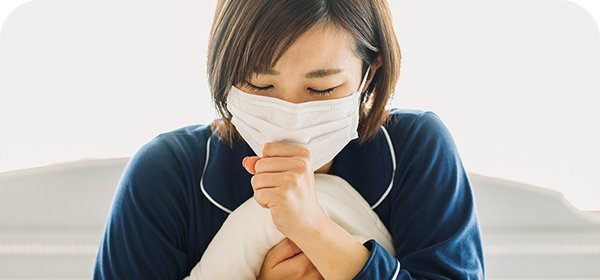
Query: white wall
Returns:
{"type": "Point", "coordinates": [516, 81]}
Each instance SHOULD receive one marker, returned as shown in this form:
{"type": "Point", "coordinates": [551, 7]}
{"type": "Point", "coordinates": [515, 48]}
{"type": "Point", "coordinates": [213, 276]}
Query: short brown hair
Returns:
{"type": "Point", "coordinates": [247, 35]}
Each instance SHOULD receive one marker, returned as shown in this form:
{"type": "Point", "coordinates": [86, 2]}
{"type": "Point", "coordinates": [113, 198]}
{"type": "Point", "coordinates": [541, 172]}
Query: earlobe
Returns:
{"type": "Point", "coordinates": [374, 66]}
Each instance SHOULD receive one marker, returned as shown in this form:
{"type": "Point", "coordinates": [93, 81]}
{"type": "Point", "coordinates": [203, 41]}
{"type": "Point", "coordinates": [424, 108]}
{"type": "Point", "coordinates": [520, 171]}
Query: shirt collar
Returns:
{"type": "Point", "coordinates": [367, 167]}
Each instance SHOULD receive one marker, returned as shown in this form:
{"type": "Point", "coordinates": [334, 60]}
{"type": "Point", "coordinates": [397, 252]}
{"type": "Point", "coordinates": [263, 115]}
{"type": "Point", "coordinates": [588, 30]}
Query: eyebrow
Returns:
{"type": "Point", "coordinates": [320, 73]}
{"type": "Point", "coordinates": [263, 71]}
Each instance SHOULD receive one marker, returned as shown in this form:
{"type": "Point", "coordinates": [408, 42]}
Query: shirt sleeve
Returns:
{"type": "Point", "coordinates": [145, 234]}
{"type": "Point", "coordinates": [433, 220]}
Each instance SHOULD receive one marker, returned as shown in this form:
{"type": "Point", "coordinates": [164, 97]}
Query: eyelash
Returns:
{"type": "Point", "coordinates": [255, 88]}
{"type": "Point", "coordinates": [320, 92]}
{"type": "Point", "coordinates": [312, 91]}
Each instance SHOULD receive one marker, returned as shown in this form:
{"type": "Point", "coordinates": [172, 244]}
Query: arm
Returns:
{"type": "Point", "coordinates": [333, 251]}
{"type": "Point", "coordinates": [432, 215]}
{"type": "Point", "coordinates": [145, 233]}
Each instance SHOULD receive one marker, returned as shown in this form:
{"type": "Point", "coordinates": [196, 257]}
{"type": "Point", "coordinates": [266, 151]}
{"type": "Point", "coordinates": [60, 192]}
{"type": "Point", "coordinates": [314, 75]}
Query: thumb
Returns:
{"type": "Point", "coordinates": [249, 163]}
{"type": "Point", "coordinates": [281, 252]}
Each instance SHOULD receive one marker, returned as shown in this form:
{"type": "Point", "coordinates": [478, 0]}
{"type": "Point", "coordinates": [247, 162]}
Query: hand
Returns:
{"type": "Point", "coordinates": [283, 182]}
{"type": "Point", "coordinates": [287, 261]}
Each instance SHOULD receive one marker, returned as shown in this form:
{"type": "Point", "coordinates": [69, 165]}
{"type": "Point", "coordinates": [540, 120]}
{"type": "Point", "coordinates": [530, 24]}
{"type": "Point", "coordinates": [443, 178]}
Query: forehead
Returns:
{"type": "Point", "coordinates": [323, 46]}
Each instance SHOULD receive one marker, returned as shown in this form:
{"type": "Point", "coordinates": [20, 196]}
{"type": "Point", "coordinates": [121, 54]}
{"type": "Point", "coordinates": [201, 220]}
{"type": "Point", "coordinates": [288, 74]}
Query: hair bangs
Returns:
{"type": "Point", "coordinates": [278, 26]}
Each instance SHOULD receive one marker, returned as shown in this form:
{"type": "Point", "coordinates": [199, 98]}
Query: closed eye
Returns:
{"type": "Point", "coordinates": [257, 88]}
{"type": "Point", "coordinates": [321, 92]}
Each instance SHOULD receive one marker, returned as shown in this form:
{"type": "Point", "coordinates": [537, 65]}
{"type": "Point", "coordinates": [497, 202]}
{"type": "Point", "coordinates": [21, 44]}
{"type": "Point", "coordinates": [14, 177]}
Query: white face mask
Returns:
{"type": "Point", "coordinates": [324, 127]}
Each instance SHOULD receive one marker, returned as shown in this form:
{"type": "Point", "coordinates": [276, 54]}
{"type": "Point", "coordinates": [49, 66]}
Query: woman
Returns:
{"type": "Point", "coordinates": [302, 88]}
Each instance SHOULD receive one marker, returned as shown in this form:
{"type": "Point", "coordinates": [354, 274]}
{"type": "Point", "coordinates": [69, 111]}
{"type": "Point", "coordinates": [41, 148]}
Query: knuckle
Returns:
{"type": "Point", "coordinates": [302, 166]}
{"type": "Point", "coordinates": [291, 179]}
{"type": "Point", "coordinates": [267, 148]}
{"type": "Point", "coordinates": [287, 245]}
{"type": "Point", "coordinates": [297, 163]}
{"type": "Point", "coordinates": [304, 152]}
{"type": "Point", "coordinates": [259, 197]}
{"type": "Point", "coordinates": [259, 166]}
{"type": "Point", "coordinates": [254, 181]}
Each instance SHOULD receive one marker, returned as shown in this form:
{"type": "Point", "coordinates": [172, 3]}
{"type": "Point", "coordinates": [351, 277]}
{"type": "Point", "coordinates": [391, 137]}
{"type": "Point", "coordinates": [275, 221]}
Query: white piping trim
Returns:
{"type": "Point", "coordinates": [202, 179]}
{"type": "Point", "coordinates": [397, 270]}
{"type": "Point", "coordinates": [393, 154]}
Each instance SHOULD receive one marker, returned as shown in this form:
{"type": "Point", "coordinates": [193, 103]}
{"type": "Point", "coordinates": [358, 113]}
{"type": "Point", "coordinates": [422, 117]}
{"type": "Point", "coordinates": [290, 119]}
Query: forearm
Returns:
{"type": "Point", "coordinates": [333, 251]}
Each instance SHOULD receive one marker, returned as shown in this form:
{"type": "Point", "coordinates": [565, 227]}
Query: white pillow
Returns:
{"type": "Point", "coordinates": [239, 248]}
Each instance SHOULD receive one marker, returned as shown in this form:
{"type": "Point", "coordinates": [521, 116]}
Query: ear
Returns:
{"type": "Point", "coordinates": [374, 66]}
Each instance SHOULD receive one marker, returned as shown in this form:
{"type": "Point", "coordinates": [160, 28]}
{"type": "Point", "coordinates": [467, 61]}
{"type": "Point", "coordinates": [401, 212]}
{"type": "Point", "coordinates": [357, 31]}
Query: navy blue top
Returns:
{"type": "Point", "coordinates": [162, 217]}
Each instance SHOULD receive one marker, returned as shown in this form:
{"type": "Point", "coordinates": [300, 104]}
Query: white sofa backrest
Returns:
{"type": "Point", "coordinates": [76, 194]}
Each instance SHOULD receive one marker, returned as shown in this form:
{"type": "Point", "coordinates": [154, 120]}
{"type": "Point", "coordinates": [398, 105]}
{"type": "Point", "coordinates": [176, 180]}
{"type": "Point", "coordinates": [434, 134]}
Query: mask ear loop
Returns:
{"type": "Point", "coordinates": [364, 81]}
{"type": "Point", "coordinates": [361, 96]}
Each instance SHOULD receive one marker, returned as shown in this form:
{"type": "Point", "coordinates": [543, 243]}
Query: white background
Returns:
{"type": "Point", "coordinates": [516, 82]}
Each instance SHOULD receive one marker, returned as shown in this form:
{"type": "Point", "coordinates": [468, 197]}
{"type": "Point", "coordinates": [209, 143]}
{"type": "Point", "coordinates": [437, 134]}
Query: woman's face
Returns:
{"type": "Point", "coordinates": [320, 65]}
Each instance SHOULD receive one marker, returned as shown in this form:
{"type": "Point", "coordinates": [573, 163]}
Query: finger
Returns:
{"type": "Point", "coordinates": [249, 163]}
{"type": "Point", "coordinates": [284, 250]}
{"type": "Point", "coordinates": [281, 164]}
{"type": "Point", "coordinates": [302, 266]}
{"type": "Point", "coordinates": [273, 149]}
{"type": "Point", "coordinates": [266, 189]}
{"type": "Point", "coordinates": [274, 180]}
{"type": "Point", "coordinates": [264, 198]}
